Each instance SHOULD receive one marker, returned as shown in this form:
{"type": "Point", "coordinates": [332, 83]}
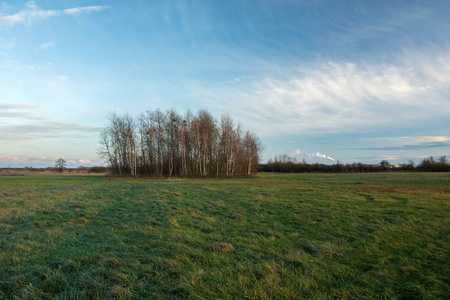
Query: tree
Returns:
{"type": "Point", "coordinates": [443, 165]}
{"type": "Point", "coordinates": [384, 164]}
{"type": "Point", "coordinates": [119, 145]}
{"type": "Point", "coordinates": [252, 148]}
{"type": "Point", "coordinates": [60, 164]}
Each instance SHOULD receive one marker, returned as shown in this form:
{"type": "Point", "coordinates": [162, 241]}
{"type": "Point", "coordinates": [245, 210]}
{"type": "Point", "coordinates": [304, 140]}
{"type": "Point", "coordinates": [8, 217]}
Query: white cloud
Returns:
{"type": "Point", "coordinates": [320, 156]}
{"type": "Point", "coordinates": [296, 152]}
{"type": "Point", "coordinates": [32, 13]}
{"type": "Point", "coordinates": [84, 161]}
{"type": "Point", "coordinates": [340, 96]}
{"type": "Point", "coordinates": [78, 10]}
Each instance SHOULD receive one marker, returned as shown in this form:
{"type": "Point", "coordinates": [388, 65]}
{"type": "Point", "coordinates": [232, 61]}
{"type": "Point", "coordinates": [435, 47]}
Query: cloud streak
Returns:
{"type": "Point", "coordinates": [28, 122]}
{"type": "Point", "coordinates": [85, 9]}
{"type": "Point", "coordinates": [408, 143]}
{"type": "Point", "coordinates": [407, 140]}
{"type": "Point", "coordinates": [32, 13]}
{"type": "Point", "coordinates": [407, 147]}
{"type": "Point", "coordinates": [46, 129]}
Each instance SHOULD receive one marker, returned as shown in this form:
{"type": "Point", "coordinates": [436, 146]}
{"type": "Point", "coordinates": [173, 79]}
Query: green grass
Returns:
{"type": "Point", "coordinates": [317, 236]}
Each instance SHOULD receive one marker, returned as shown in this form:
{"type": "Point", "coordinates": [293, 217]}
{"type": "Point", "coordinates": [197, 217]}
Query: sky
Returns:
{"type": "Point", "coordinates": [320, 80]}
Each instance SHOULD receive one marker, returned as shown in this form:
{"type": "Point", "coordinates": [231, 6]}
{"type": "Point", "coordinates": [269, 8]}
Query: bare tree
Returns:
{"type": "Point", "coordinates": [252, 148]}
{"type": "Point", "coordinates": [227, 142]}
{"type": "Point", "coordinates": [118, 143]}
{"type": "Point", "coordinates": [60, 164]}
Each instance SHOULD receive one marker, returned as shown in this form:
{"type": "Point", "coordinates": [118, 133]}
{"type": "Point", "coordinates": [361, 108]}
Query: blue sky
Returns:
{"type": "Point", "coordinates": [358, 81]}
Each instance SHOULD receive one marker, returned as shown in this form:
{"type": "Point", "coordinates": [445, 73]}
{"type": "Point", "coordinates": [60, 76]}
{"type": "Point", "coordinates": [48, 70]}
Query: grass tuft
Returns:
{"type": "Point", "coordinates": [111, 262]}
{"type": "Point", "coordinates": [236, 217]}
{"type": "Point", "coordinates": [310, 248]}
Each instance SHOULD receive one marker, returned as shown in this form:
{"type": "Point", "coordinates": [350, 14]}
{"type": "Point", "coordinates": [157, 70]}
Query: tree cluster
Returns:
{"type": "Point", "coordinates": [286, 164]}
{"type": "Point", "coordinates": [167, 144]}
{"type": "Point", "coordinates": [431, 165]}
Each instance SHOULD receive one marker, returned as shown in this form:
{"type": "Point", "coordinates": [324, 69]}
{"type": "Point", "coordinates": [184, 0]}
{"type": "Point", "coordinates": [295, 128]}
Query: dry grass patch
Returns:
{"type": "Point", "coordinates": [82, 221]}
{"type": "Point", "coordinates": [110, 262]}
{"type": "Point", "coordinates": [119, 292]}
{"type": "Point", "coordinates": [221, 247]}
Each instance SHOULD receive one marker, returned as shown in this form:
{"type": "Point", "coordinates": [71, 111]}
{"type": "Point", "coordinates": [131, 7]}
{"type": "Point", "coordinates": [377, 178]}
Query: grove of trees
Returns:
{"type": "Point", "coordinates": [167, 144]}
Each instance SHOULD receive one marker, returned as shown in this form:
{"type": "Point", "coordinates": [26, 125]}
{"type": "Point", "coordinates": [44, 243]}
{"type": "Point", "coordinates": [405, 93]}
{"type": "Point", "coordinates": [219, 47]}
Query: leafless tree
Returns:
{"type": "Point", "coordinates": [60, 164]}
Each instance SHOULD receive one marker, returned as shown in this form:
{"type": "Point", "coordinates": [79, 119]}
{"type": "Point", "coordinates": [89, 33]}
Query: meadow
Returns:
{"type": "Point", "coordinates": [274, 236]}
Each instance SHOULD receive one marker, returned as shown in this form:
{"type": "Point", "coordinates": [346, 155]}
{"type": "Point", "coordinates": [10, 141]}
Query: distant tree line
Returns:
{"type": "Point", "coordinates": [431, 165]}
{"type": "Point", "coordinates": [286, 164]}
{"type": "Point", "coordinates": [167, 144]}
{"type": "Point", "coordinates": [95, 169]}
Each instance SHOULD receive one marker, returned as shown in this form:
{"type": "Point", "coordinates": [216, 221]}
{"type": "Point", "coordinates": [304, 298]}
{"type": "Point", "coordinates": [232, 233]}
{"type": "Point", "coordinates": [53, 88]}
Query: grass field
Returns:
{"type": "Point", "coordinates": [315, 236]}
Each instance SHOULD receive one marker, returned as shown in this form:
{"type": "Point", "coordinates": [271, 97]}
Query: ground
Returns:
{"type": "Point", "coordinates": [317, 236]}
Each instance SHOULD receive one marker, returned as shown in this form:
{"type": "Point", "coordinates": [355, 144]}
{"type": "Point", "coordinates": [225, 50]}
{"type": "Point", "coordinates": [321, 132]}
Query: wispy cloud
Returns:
{"type": "Point", "coordinates": [29, 122]}
{"type": "Point", "coordinates": [20, 111]}
{"type": "Point", "coordinates": [9, 106]}
{"type": "Point", "coordinates": [341, 96]}
{"type": "Point", "coordinates": [46, 129]}
{"type": "Point", "coordinates": [44, 46]}
{"type": "Point", "coordinates": [32, 13]}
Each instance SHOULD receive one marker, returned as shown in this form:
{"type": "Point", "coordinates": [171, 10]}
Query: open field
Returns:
{"type": "Point", "coordinates": [317, 236]}
{"type": "Point", "coordinates": [45, 171]}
